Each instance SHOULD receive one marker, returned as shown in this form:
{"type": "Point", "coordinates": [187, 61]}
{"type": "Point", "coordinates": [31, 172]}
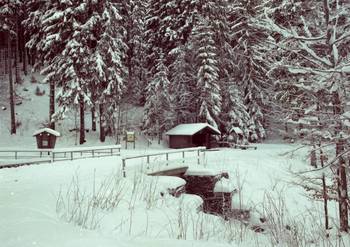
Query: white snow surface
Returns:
{"type": "Point", "coordinates": [29, 198]}
{"type": "Point", "coordinates": [200, 171]}
{"type": "Point", "coordinates": [190, 129]}
{"type": "Point", "coordinates": [224, 185]}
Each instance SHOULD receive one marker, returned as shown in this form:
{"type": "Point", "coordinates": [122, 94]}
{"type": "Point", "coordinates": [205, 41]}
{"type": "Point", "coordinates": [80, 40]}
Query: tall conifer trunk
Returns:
{"type": "Point", "coordinates": [9, 69]}
{"type": "Point", "coordinates": [341, 170]}
{"type": "Point", "coordinates": [18, 79]}
{"type": "Point", "coordinates": [52, 104]}
{"type": "Point", "coordinates": [82, 122]}
{"type": "Point", "coordinates": [102, 130]}
{"type": "Point", "coordinates": [24, 55]}
{"type": "Point", "coordinates": [93, 119]}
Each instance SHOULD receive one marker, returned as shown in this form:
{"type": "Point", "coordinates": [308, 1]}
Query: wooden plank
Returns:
{"type": "Point", "coordinates": [82, 149]}
{"type": "Point", "coordinates": [170, 171]}
{"type": "Point", "coordinates": [9, 164]}
{"type": "Point", "coordinates": [245, 146]}
{"type": "Point", "coordinates": [167, 152]}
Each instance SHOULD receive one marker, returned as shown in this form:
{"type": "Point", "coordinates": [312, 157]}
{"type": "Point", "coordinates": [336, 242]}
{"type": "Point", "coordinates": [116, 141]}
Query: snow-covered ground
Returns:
{"type": "Point", "coordinates": [88, 203]}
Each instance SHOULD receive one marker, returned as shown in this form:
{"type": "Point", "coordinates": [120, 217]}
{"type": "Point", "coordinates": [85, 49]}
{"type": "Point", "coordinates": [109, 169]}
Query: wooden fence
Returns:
{"type": "Point", "coordinates": [198, 150]}
{"type": "Point", "coordinates": [31, 156]}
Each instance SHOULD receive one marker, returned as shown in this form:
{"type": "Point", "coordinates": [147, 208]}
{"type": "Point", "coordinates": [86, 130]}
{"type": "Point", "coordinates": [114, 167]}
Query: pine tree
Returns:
{"type": "Point", "coordinates": [109, 69]}
{"type": "Point", "coordinates": [133, 15]}
{"type": "Point", "coordinates": [234, 112]}
{"type": "Point", "coordinates": [249, 42]}
{"type": "Point", "coordinates": [76, 40]}
{"type": "Point", "coordinates": [157, 114]}
{"type": "Point", "coordinates": [209, 98]}
{"type": "Point", "coordinates": [183, 84]}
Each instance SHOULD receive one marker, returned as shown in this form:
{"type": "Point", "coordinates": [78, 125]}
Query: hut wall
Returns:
{"type": "Point", "coordinates": [180, 141]}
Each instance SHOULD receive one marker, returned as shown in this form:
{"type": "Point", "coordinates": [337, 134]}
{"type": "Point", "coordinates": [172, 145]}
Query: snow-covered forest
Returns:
{"type": "Point", "coordinates": [264, 70]}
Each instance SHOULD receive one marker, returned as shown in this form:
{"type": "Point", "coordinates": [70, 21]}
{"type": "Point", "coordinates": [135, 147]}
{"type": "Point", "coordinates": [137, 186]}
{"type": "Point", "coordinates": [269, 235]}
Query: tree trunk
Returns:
{"type": "Point", "coordinates": [102, 129]}
{"type": "Point", "coordinates": [118, 124]}
{"type": "Point", "coordinates": [18, 79]}
{"type": "Point", "coordinates": [342, 187]}
{"type": "Point", "coordinates": [82, 121]}
{"type": "Point", "coordinates": [12, 103]}
{"type": "Point", "coordinates": [324, 191]}
{"type": "Point", "coordinates": [313, 157]}
{"type": "Point", "coordinates": [52, 104]}
{"type": "Point", "coordinates": [93, 119]}
{"type": "Point", "coordinates": [6, 58]}
{"type": "Point", "coordinates": [24, 59]}
{"type": "Point", "coordinates": [341, 170]}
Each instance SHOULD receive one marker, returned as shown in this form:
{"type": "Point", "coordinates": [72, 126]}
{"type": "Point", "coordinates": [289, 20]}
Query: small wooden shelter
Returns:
{"type": "Point", "coordinates": [236, 134]}
{"type": "Point", "coordinates": [46, 138]}
{"type": "Point", "coordinates": [191, 135]}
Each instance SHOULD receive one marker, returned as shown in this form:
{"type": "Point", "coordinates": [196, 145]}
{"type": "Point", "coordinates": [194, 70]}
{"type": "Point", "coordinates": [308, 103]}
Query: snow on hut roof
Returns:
{"type": "Point", "coordinates": [237, 130]}
{"type": "Point", "coordinates": [48, 130]}
{"type": "Point", "coordinates": [191, 129]}
{"type": "Point", "coordinates": [202, 172]}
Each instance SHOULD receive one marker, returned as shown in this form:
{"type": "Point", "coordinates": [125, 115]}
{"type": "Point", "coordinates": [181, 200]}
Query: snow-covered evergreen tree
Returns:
{"type": "Point", "coordinates": [108, 70]}
{"type": "Point", "coordinates": [133, 15]}
{"type": "Point", "coordinates": [209, 98]}
{"type": "Point", "coordinates": [158, 115]}
{"type": "Point", "coordinates": [183, 84]}
{"type": "Point", "coordinates": [81, 50]}
{"type": "Point", "coordinates": [249, 42]}
{"type": "Point", "coordinates": [234, 112]}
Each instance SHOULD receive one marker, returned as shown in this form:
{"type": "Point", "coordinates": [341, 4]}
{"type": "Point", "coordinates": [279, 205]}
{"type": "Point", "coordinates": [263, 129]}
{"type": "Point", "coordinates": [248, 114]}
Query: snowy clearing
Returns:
{"type": "Point", "coordinates": [37, 206]}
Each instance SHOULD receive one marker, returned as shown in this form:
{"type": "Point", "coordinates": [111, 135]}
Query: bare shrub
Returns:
{"type": "Point", "coordinates": [84, 209]}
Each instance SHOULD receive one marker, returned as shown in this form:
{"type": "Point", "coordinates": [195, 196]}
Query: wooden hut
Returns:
{"type": "Point", "coordinates": [236, 135]}
{"type": "Point", "coordinates": [46, 138]}
{"type": "Point", "coordinates": [191, 135]}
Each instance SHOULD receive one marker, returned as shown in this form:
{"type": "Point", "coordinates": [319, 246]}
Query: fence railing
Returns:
{"type": "Point", "coordinates": [59, 154]}
{"type": "Point", "coordinates": [167, 154]}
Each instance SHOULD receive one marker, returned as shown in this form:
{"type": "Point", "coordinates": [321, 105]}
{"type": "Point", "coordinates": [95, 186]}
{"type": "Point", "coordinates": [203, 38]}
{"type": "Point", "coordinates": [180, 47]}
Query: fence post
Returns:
{"type": "Point", "coordinates": [167, 158]}
{"type": "Point", "coordinates": [198, 158]}
{"type": "Point", "coordinates": [123, 168]}
{"type": "Point", "coordinates": [93, 153]}
{"type": "Point", "coordinates": [147, 161]}
{"type": "Point", "coordinates": [15, 155]}
{"type": "Point", "coordinates": [71, 155]}
{"type": "Point", "coordinates": [183, 157]}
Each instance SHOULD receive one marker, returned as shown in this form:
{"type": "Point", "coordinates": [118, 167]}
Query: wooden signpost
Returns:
{"type": "Point", "coordinates": [130, 137]}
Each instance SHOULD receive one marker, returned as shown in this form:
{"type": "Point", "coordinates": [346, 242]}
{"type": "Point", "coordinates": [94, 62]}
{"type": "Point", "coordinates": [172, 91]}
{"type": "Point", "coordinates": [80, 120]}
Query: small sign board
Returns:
{"type": "Point", "coordinates": [130, 137]}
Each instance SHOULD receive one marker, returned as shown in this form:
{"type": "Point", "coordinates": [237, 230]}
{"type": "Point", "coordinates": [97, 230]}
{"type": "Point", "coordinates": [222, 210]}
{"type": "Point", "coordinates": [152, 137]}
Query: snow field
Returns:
{"type": "Point", "coordinates": [89, 203]}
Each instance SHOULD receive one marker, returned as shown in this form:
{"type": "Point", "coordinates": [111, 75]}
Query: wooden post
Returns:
{"type": "Point", "coordinates": [147, 161]}
{"type": "Point", "coordinates": [167, 158]}
{"type": "Point", "coordinates": [15, 155]}
{"type": "Point", "coordinates": [198, 158]}
{"type": "Point", "coordinates": [71, 155]}
{"type": "Point", "coordinates": [123, 168]}
{"type": "Point", "coordinates": [93, 153]}
{"type": "Point", "coordinates": [183, 157]}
